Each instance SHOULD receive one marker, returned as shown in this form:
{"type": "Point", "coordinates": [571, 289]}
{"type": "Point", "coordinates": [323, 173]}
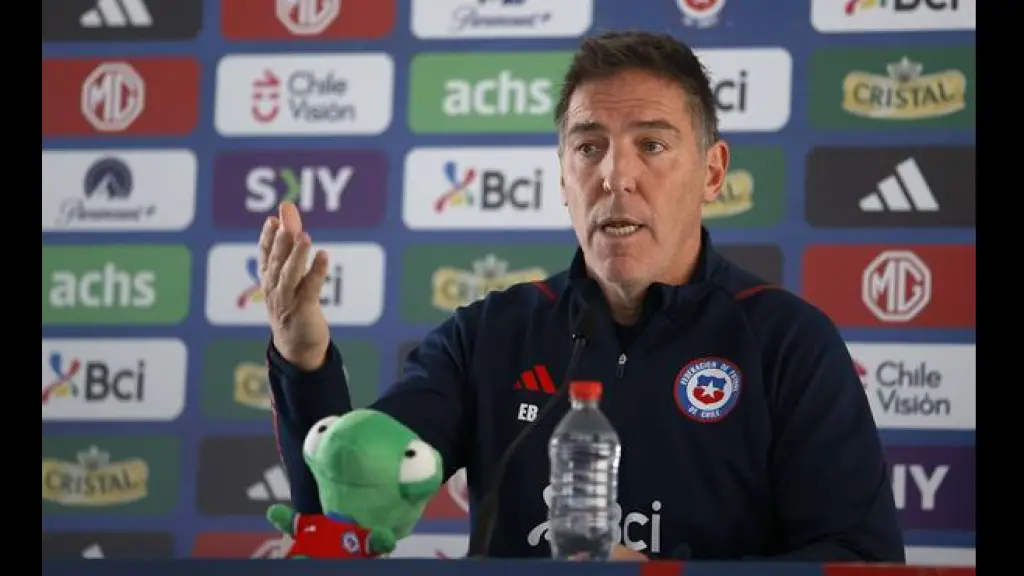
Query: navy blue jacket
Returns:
{"type": "Point", "coordinates": [745, 430]}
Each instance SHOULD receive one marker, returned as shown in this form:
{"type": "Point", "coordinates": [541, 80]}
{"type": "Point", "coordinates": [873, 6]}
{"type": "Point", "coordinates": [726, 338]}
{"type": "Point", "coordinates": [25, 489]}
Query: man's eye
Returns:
{"type": "Point", "coordinates": [652, 146]}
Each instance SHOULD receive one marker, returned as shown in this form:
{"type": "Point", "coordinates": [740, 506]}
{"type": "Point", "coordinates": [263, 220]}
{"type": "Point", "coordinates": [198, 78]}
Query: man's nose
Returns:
{"type": "Point", "coordinates": [620, 168]}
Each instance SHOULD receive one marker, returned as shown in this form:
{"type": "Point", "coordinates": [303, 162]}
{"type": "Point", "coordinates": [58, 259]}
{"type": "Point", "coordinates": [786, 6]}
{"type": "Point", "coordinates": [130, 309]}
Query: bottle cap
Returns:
{"type": "Point", "coordinates": [585, 390]}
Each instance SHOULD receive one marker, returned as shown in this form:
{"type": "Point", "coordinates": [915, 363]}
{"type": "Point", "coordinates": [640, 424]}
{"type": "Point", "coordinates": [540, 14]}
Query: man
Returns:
{"type": "Point", "coordinates": [745, 430]}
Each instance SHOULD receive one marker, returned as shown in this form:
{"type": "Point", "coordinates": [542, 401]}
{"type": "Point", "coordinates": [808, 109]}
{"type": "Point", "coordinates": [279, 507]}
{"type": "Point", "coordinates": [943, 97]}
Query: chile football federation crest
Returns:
{"type": "Point", "coordinates": [707, 389]}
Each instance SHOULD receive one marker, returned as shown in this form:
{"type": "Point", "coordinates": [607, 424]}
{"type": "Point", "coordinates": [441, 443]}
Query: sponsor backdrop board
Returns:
{"type": "Point", "coordinates": [416, 138]}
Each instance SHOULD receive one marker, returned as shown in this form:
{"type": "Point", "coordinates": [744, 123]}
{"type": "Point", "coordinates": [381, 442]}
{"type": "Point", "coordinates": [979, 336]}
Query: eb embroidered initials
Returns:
{"type": "Point", "coordinates": [527, 412]}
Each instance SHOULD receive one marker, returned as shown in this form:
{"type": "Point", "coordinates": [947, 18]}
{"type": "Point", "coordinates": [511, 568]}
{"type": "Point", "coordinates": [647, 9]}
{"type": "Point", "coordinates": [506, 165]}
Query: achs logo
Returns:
{"type": "Point", "coordinates": [453, 287]}
{"type": "Point", "coordinates": [307, 17]}
{"type": "Point", "coordinates": [904, 92]}
{"type": "Point", "coordinates": [113, 96]}
{"type": "Point", "coordinates": [458, 194]}
{"type": "Point", "coordinates": [896, 286]}
{"type": "Point", "coordinates": [64, 384]}
{"type": "Point", "coordinates": [266, 97]}
{"type": "Point", "coordinates": [253, 294]}
{"type": "Point", "coordinates": [700, 13]}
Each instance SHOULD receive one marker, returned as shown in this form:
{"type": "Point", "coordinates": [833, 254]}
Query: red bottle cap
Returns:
{"type": "Point", "coordinates": [585, 390]}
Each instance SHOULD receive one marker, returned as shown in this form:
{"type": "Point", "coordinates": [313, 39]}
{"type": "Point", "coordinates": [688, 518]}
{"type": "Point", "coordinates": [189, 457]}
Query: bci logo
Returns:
{"type": "Point", "coordinates": [731, 93]}
{"type": "Point", "coordinates": [856, 6]}
{"type": "Point", "coordinates": [309, 187]}
{"type": "Point", "coordinates": [496, 189]}
{"type": "Point", "coordinates": [95, 380]}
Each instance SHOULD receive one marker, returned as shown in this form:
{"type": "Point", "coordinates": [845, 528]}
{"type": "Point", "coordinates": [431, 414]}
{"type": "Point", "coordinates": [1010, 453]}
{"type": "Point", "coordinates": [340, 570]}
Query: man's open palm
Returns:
{"type": "Point", "coordinates": [292, 289]}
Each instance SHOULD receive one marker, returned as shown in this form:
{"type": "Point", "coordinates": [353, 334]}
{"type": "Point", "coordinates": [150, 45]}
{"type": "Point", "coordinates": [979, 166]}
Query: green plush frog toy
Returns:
{"type": "Point", "coordinates": [374, 476]}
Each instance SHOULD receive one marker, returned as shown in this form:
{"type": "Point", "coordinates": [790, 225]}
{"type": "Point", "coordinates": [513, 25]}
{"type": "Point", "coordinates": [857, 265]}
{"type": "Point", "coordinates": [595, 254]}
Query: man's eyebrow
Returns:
{"type": "Point", "coordinates": [655, 125]}
{"type": "Point", "coordinates": [591, 127]}
{"type": "Point", "coordinates": [586, 127]}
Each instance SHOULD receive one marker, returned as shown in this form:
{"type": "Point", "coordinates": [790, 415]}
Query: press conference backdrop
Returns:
{"type": "Point", "coordinates": [416, 138]}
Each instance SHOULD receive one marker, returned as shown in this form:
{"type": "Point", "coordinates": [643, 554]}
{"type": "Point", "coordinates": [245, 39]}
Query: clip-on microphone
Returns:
{"type": "Point", "coordinates": [486, 517]}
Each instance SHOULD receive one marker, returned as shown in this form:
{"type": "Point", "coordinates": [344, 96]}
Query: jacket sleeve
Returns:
{"type": "Point", "coordinates": [831, 484]}
{"type": "Point", "coordinates": [430, 398]}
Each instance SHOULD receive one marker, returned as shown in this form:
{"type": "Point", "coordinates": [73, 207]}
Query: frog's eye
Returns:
{"type": "Point", "coordinates": [312, 442]}
{"type": "Point", "coordinates": [418, 463]}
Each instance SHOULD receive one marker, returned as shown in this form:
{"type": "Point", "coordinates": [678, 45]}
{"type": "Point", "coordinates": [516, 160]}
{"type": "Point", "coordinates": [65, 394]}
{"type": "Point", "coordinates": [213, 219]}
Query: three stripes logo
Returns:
{"type": "Point", "coordinates": [117, 14]}
{"type": "Point", "coordinates": [904, 191]}
{"type": "Point", "coordinates": [536, 379]}
{"type": "Point", "coordinates": [273, 486]}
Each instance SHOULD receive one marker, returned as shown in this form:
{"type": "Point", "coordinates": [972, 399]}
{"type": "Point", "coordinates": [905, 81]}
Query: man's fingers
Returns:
{"type": "Point", "coordinates": [295, 265]}
{"type": "Point", "coordinates": [290, 218]}
{"type": "Point", "coordinates": [313, 282]}
{"type": "Point", "coordinates": [267, 242]}
{"type": "Point", "coordinates": [283, 242]}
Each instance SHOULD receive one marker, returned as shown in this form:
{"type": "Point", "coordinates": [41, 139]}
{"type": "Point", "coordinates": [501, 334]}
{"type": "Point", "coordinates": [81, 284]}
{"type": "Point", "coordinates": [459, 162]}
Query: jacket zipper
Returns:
{"type": "Point", "coordinates": [621, 368]}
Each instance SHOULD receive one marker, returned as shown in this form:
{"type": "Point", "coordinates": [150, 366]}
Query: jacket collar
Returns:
{"type": "Point", "coordinates": [660, 297]}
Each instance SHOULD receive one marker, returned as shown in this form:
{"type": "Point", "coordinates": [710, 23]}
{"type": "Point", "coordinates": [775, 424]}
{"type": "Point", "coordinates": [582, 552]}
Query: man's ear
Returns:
{"type": "Point", "coordinates": [561, 189]}
{"type": "Point", "coordinates": [717, 162]}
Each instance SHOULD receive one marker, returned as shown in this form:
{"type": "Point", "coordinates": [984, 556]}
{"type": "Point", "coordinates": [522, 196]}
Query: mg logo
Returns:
{"type": "Point", "coordinates": [113, 96]}
{"type": "Point", "coordinates": [307, 17]}
{"type": "Point", "coordinates": [897, 286]}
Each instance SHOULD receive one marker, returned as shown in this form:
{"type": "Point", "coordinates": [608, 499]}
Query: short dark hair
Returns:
{"type": "Point", "coordinates": [609, 53]}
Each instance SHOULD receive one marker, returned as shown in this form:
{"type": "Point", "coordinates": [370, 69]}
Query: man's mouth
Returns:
{"type": "Point", "coordinates": [620, 228]}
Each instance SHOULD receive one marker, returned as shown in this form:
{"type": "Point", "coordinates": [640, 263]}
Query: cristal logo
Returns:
{"type": "Point", "coordinates": [620, 533]}
{"type": "Point", "coordinates": [307, 17]}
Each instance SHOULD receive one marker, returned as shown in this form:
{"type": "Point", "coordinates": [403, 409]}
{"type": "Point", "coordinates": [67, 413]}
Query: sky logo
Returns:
{"type": "Point", "coordinates": [64, 384]}
{"type": "Point", "coordinates": [254, 293]}
{"type": "Point", "coordinates": [332, 188]}
{"type": "Point", "coordinates": [458, 194]}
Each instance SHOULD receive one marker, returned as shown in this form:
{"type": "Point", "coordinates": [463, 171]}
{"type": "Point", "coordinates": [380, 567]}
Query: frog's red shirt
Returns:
{"type": "Point", "coordinates": [319, 536]}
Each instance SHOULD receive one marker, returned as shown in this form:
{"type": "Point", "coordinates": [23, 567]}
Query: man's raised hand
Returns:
{"type": "Point", "coordinates": [292, 289]}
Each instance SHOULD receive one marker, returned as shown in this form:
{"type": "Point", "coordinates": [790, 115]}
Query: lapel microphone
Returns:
{"type": "Point", "coordinates": [486, 516]}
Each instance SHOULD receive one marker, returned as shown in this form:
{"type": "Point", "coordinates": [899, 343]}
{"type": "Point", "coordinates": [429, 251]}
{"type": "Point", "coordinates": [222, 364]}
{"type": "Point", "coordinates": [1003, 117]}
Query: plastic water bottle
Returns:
{"type": "Point", "coordinates": [584, 452]}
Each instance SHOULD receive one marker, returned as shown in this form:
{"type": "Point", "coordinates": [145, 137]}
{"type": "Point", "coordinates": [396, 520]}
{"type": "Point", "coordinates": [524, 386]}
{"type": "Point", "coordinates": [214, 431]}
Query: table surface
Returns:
{"type": "Point", "coordinates": [397, 567]}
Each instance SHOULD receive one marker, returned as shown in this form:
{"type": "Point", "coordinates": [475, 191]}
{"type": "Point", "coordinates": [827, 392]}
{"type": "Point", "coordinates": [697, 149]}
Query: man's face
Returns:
{"type": "Point", "coordinates": [634, 176]}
